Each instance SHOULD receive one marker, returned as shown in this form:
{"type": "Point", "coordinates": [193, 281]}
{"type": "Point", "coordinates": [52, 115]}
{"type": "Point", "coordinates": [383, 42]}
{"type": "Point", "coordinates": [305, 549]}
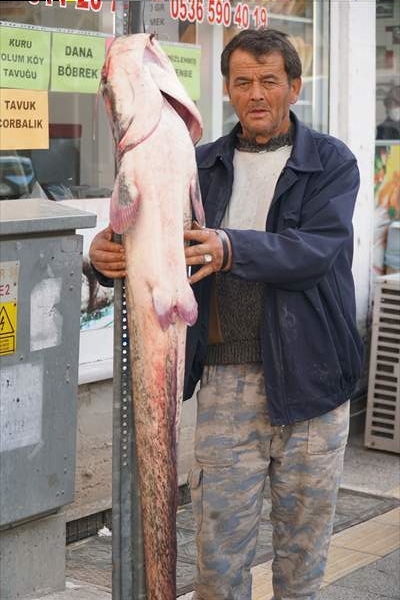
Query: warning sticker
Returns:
{"type": "Point", "coordinates": [8, 306]}
{"type": "Point", "coordinates": [8, 328]}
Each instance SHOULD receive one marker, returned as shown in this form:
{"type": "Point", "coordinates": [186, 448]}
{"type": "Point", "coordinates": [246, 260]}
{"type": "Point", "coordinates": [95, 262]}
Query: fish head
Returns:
{"type": "Point", "coordinates": [117, 88]}
{"type": "Point", "coordinates": [128, 90]}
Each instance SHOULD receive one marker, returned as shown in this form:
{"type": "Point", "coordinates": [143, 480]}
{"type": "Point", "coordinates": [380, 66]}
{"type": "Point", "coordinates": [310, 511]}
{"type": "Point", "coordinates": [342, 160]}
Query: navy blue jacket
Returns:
{"type": "Point", "coordinates": [311, 349]}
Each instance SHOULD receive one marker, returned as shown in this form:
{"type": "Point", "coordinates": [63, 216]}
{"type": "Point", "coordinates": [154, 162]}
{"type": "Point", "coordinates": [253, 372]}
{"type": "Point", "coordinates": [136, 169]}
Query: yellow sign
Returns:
{"type": "Point", "coordinates": [8, 328]}
{"type": "Point", "coordinates": [9, 275]}
{"type": "Point", "coordinates": [24, 119]}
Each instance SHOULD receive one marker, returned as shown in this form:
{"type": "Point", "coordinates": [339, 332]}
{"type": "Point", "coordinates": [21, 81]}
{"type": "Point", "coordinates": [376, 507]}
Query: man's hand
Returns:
{"type": "Point", "coordinates": [107, 256]}
{"type": "Point", "coordinates": [207, 249]}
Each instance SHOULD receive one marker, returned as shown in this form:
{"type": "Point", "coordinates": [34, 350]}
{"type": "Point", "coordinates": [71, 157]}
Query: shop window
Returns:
{"type": "Point", "coordinates": [388, 70]}
{"type": "Point", "coordinates": [67, 42]}
{"type": "Point", "coordinates": [386, 255]}
{"type": "Point", "coordinates": [51, 58]}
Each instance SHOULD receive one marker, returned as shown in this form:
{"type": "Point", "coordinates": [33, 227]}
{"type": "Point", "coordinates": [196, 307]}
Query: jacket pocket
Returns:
{"type": "Point", "coordinates": [290, 221]}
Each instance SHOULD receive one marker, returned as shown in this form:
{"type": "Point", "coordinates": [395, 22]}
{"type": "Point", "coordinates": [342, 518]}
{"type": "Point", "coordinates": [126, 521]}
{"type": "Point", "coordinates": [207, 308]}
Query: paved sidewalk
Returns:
{"type": "Point", "coordinates": [363, 564]}
{"type": "Point", "coordinates": [364, 560]}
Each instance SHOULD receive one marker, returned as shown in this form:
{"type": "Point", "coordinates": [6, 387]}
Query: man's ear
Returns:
{"type": "Point", "coordinates": [295, 89]}
{"type": "Point", "coordinates": [226, 89]}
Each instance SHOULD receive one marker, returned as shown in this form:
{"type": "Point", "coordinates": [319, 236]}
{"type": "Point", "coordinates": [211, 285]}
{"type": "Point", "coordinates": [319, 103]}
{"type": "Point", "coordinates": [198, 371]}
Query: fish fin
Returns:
{"type": "Point", "coordinates": [197, 205]}
{"type": "Point", "coordinates": [186, 307]}
{"type": "Point", "coordinates": [165, 310]}
{"type": "Point", "coordinates": [124, 204]}
{"type": "Point", "coordinates": [168, 311]}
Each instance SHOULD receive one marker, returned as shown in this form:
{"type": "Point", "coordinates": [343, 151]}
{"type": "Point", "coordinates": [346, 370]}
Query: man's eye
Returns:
{"type": "Point", "coordinates": [268, 83]}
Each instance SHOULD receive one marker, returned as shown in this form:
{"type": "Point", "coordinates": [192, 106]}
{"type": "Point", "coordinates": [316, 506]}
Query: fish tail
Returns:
{"type": "Point", "coordinates": [156, 403]}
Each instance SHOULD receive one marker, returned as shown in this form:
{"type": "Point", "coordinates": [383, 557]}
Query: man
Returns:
{"type": "Point", "coordinates": [276, 344]}
{"type": "Point", "coordinates": [389, 129]}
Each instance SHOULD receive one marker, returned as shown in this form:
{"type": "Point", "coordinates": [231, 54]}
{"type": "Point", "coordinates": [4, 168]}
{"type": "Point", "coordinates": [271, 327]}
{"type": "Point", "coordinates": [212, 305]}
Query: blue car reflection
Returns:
{"type": "Point", "coordinates": [17, 177]}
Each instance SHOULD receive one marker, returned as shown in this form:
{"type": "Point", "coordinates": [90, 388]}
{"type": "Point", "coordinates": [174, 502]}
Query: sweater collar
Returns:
{"type": "Point", "coordinates": [246, 145]}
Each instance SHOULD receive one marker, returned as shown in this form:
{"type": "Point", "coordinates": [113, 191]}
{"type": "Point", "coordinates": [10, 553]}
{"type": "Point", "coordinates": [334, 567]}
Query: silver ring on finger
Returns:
{"type": "Point", "coordinates": [207, 258]}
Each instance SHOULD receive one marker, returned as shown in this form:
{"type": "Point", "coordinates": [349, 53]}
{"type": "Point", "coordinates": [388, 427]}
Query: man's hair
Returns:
{"type": "Point", "coordinates": [260, 42]}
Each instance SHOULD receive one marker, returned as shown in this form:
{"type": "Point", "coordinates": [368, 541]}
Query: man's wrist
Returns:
{"type": "Point", "coordinates": [226, 248]}
{"type": "Point", "coordinates": [102, 279]}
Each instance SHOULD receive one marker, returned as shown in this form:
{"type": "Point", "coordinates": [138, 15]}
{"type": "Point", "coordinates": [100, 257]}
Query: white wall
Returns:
{"type": "Point", "coordinates": [352, 119]}
{"type": "Point", "coordinates": [93, 472]}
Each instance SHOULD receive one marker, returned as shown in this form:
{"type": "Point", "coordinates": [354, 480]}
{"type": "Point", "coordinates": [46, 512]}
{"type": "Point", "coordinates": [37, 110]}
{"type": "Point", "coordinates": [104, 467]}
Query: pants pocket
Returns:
{"type": "Point", "coordinates": [329, 432]}
{"type": "Point", "coordinates": [214, 438]}
{"type": "Point", "coordinates": [195, 481]}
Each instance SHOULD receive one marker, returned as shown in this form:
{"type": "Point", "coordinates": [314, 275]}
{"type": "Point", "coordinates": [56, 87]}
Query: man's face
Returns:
{"type": "Point", "coordinates": [261, 94]}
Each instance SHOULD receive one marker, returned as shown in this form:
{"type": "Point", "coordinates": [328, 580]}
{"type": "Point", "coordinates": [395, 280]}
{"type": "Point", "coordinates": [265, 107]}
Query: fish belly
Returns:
{"type": "Point", "coordinates": [158, 294]}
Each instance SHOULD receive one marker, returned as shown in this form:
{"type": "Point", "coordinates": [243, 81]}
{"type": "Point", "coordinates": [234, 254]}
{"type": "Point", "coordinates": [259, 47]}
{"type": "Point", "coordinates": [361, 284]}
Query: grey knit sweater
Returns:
{"type": "Point", "coordinates": [239, 314]}
{"type": "Point", "coordinates": [237, 311]}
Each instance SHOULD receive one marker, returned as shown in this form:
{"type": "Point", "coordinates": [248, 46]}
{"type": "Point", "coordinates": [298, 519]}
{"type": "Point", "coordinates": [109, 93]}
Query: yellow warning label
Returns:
{"type": "Point", "coordinates": [8, 327]}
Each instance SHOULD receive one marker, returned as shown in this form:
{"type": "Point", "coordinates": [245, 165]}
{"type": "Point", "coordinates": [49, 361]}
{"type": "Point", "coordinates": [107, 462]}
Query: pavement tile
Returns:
{"type": "Point", "coordinates": [342, 561]}
{"type": "Point", "coordinates": [262, 581]}
{"type": "Point", "coordinates": [335, 592]}
{"type": "Point", "coordinates": [379, 580]}
{"type": "Point", "coordinates": [392, 517]}
{"type": "Point", "coordinates": [378, 576]}
{"type": "Point", "coordinates": [77, 590]}
{"type": "Point", "coordinates": [395, 492]}
{"type": "Point", "coordinates": [372, 537]}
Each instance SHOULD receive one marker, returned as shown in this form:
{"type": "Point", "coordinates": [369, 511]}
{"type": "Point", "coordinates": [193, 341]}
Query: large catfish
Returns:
{"type": "Point", "coordinates": [155, 126]}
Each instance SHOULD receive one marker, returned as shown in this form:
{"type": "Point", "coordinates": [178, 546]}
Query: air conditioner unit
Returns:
{"type": "Point", "coordinates": [382, 427]}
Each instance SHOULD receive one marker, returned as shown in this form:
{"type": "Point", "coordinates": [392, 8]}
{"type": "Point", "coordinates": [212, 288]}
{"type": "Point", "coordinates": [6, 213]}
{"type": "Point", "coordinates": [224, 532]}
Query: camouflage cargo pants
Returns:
{"type": "Point", "coordinates": [236, 450]}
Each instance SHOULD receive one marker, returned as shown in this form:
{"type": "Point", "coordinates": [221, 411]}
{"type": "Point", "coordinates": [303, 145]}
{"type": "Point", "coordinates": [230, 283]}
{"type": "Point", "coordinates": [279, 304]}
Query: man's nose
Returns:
{"type": "Point", "coordinates": [256, 90]}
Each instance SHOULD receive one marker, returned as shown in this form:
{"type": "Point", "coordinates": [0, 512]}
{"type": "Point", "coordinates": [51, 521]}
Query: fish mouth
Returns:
{"type": "Point", "coordinates": [186, 116]}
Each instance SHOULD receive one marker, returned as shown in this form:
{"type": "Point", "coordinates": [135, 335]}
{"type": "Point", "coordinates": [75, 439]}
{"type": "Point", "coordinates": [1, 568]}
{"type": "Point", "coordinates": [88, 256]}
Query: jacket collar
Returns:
{"type": "Point", "coordinates": [304, 156]}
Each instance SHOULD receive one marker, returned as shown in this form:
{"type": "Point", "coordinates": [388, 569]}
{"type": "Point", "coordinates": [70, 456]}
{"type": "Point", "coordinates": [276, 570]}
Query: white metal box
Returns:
{"type": "Point", "coordinates": [382, 427]}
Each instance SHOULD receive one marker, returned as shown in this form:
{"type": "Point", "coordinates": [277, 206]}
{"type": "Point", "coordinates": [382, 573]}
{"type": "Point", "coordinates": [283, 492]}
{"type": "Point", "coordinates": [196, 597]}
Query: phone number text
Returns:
{"type": "Point", "coordinates": [219, 12]}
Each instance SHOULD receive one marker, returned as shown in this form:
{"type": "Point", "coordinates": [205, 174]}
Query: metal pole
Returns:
{"type": "Point", "coordinates": [128, 573]}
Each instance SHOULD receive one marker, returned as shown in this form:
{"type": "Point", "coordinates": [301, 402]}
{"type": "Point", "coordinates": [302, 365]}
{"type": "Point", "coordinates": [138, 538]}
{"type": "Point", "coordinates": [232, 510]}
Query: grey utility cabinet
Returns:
{"type": "Point", "coordinates": [40, 292]}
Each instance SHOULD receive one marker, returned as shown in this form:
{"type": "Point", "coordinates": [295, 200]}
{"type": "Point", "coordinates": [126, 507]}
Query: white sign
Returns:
{"type": "Point", "coordinates": [46, 320]}
{"type": "Point", "coordinates": [21, 394]}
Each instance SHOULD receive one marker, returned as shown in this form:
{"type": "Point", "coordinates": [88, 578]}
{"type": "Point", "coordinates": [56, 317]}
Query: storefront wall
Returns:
{"type": "Point", "coordinates": [352, 119]}
{"type": "Point", "coordinates": [337, 45]}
